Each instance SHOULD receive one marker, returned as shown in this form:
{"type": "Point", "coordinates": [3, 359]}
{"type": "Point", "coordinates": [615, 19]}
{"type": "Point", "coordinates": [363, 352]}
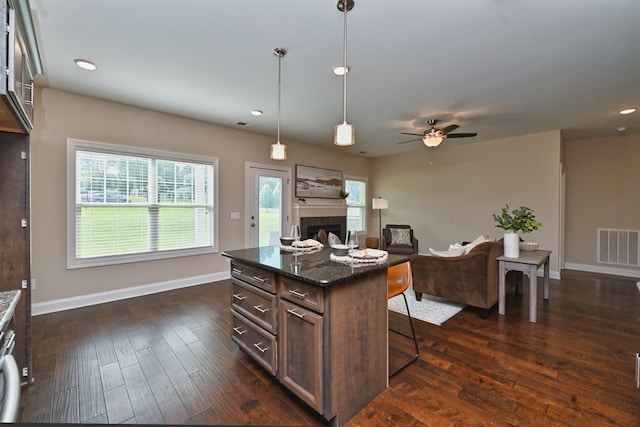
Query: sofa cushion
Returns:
{"type": "Point", "coordinates": [400, 236]}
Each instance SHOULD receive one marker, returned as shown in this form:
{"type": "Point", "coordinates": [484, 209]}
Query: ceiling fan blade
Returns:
{"type": "Point", "coordinates": [407, 133]}
{"type": "Point", "coordinates": [461, 135]}
{"type": "Point", "coordinates": [449, 128]}
{"type": "Point", "coordinates": [411, 140]}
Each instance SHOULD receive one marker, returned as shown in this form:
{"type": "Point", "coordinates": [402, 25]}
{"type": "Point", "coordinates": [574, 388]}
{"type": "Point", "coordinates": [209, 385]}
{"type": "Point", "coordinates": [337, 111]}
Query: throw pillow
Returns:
{"type": "Point", "coordinates": [400, 236]}
{"type": "Point", "coordinates": [333, 239]}
{"type": "Point", "coordinates": [454, 250]}
{"type": "Point", "coordinates": [476, 242]}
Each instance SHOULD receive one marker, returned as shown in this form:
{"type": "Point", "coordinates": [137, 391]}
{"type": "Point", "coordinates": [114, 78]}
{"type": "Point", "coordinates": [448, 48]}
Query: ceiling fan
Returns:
{"type": "Point", "coordinates": [433, 137]}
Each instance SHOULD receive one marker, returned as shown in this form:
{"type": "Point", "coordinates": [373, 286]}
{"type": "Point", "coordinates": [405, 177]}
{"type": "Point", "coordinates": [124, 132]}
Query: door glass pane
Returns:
{"type": "Point", "coordinates": [269, 210]}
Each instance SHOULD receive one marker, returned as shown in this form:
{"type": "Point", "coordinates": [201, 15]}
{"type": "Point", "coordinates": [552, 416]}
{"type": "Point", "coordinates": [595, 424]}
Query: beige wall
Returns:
{"type": "Point", "coordinates": [448, 194]}
{"type": "Point", "coordinates": [62, 115]}
{"type": "Point", "coordinates": [602, 180]}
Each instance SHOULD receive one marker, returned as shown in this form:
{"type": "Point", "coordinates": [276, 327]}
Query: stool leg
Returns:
{"type": "Point", "coordinates": [412, 337]}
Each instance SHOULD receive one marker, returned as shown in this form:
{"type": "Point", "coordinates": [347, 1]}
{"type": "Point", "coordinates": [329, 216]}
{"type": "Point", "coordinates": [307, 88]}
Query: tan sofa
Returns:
{"type": "Point", "coordinates": [470, 279]}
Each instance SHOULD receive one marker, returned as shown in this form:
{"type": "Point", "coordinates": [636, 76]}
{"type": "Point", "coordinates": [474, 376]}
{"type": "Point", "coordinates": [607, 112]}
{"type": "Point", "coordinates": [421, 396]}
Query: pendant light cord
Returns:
{"type": "Point", "coordinates": [344, 82]}
{"type": "Point", "coordinates": [279, 91]}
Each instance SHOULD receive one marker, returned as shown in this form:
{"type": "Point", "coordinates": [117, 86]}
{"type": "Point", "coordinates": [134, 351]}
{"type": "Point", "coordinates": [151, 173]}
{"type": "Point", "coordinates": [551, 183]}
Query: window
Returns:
{"type": "Point", "coordinates": [356, 203]}
{"type": "Point", "coordinates": [129, 204]}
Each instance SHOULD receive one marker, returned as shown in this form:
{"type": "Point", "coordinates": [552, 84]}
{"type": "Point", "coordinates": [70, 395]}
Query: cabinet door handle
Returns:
{"type": "Point", "coordinates": [257, 345]}
{"type": "Point", "coordinates": [236, 270]}
{"type": "Point", "coordinates": [638, 370]}
{"type": "Point", "coordinates": [261, 279]}
{"type": "Point", "coordinates": [260, 308]}
{"type": "Point", "coordinates": [239, 331]}
{"type": "Point", "coordinates": [295, 313]}
{"type": "Point", "coordinates": [297, 293]}
{"type": "Point", "coordinates": [239, 297]}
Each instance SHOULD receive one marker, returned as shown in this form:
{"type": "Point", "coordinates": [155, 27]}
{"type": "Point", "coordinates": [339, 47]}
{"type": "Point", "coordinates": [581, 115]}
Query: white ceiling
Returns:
{"type": "Point", "coordinates": [500, 68]}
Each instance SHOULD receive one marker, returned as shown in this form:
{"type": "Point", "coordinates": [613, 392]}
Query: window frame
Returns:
{"type": "Point", "coordinates": [74, 145]}
{"type": "Point", "coordinates": [364, 206]}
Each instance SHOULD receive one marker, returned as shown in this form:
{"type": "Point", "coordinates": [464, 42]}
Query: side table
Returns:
{"type": "Point", "coordinates": [372, 242]}
{"type": "Point", "coordinates": [529, 262]}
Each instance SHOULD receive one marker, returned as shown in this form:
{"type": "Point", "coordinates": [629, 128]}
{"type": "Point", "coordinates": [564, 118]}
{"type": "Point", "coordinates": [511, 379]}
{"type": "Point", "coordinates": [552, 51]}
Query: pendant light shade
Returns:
{"type": "Point", "coordinates": [344, 133]}
{"type": "Point", "coordinates": [278, 150]}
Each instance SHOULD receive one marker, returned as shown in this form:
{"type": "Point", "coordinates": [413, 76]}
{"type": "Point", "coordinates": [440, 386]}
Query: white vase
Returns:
{"type": "Point", "coordinates": [511, 244]}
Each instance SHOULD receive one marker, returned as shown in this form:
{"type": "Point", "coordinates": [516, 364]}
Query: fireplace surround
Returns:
{"type": "Point", "coordinates": [330, 217]}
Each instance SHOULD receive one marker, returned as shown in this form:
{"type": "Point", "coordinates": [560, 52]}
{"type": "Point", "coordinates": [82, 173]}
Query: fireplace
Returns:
{"type": "Point", "coordinates": [329, 215]}
{"type": "Point", "coordinates": [336, 229]}
{"type": "Point", "coordinates": [310, 225]}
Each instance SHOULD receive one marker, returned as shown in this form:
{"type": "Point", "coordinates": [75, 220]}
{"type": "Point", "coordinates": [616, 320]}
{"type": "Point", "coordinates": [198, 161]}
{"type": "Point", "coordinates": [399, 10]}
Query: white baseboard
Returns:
{"type": "Point", "coordinates": [119, 294]}
{"type": "Point", "coordinates": [603, 270]}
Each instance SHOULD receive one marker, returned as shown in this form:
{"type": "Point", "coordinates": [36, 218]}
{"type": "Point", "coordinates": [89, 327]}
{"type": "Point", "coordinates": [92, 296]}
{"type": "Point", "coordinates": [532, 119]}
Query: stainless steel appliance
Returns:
{"type": "Point", "coordinates": [9, 379]}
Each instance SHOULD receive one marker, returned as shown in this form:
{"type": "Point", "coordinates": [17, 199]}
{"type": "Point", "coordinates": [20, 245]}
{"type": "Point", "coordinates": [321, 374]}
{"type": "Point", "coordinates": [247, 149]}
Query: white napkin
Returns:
{"type": "Point", "coordinates": [354, 260]}
{"type": "Point", "coordinates": [309, 243]}
{"type": "Point", "coordinates": [303, 246]}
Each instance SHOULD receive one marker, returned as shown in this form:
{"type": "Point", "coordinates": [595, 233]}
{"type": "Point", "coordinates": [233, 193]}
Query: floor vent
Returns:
{"type": "Point", "coordinates": [620, 247]}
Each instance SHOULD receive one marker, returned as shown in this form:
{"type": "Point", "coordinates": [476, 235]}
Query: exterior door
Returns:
{"type": "Point", "coordinates": [268, 204]}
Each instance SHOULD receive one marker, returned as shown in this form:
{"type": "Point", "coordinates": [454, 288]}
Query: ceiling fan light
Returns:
{"type": "Point", "coordinates": [432, 141]}
{"type": "Point", "coordinates": [344, 135]}
{"type": "Point", "coordinates": [278, 151]}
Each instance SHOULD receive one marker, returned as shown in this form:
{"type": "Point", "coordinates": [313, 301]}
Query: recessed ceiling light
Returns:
{"type": "Point", "coordinates": [85, 65]}
{"type": "Point", "coordinates": [256, 112]}
{"type": "Point", "coordinates": [338, 70]}
{"type": "Point", "coordinates": [628, 111]}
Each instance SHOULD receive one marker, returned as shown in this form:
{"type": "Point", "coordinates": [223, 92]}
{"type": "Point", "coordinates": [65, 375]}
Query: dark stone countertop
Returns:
{"type": "Point", "coordinates": [315, 267]}
{"type": "Point", "coordinates": [8, 303]}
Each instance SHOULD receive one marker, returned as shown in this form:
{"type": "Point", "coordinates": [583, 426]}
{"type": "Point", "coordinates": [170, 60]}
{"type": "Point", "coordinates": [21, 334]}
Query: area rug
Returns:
{"type": "Point", "coordinates": [431, 309]}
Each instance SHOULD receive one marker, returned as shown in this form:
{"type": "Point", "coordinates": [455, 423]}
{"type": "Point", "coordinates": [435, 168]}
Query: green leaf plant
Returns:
{"type": "Point", "coordinates": [519, 220]}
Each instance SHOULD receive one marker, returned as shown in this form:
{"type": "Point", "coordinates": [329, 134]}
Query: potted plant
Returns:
{"type": "Point", "coordinates": [519, 220]}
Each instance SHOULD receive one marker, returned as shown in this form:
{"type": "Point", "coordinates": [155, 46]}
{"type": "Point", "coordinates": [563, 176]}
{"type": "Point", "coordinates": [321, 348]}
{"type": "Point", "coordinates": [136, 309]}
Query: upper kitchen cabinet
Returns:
{"type": "Point", "coordinates": [20, 63]}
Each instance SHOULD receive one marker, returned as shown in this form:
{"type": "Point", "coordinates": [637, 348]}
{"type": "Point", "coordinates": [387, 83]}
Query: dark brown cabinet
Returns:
{"type": "Point", "coordinates": [326, 344]}
{"type": "Point", "coordinates": [15, 272]}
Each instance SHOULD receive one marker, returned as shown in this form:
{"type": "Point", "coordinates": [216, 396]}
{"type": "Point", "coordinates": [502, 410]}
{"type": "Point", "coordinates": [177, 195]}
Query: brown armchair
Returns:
{"type": "Point", "coordinates": [399, 239]}
{"type": "Point", "coordinates": [470, 279]}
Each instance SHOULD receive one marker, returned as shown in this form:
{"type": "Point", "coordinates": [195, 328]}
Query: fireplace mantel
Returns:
{"type": "Point", "coordinates": [300, 210]}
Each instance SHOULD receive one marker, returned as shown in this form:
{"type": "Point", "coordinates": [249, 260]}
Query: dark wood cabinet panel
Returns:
{"type": "Point", "coordinates": [14, 237]}
{"type": "Point", "coordinates": [301, 352]}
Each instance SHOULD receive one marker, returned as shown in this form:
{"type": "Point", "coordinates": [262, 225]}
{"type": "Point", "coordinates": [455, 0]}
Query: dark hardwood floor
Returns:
{"type": "Point", "coordinates": [168, 358]}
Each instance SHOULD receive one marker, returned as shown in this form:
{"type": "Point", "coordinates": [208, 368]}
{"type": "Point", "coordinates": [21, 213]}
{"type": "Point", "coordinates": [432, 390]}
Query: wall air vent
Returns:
{"type": "Point", "coordinates": [620, 247]}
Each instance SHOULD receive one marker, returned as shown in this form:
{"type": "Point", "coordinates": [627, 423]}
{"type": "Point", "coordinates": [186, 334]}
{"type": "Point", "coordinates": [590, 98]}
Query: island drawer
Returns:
{"type": "Point", "coordinates": [254, 303]}
{"type": "Point", "coordinates": [301, 293]}
{"type": "Point", "coordinates": [256, 276]}
{"type": "Point", "coordinates": [255, 341]}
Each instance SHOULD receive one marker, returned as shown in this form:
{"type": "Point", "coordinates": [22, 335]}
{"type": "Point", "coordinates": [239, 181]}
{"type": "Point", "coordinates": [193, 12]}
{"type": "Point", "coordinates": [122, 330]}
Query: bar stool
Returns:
{"type": "Point", "coordinates": [398, 279]}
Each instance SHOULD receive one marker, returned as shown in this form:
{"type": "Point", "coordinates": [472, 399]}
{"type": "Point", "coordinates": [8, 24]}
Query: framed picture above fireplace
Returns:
{"type": "Point", "coordinates": [317, 182]}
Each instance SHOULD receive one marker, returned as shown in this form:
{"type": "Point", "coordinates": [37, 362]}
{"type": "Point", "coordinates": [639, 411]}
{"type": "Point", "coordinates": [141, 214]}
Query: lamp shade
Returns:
{"type": "Point", "coordinates": [380, 203]}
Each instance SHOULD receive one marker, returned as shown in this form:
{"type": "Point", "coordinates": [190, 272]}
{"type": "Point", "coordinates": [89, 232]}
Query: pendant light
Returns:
{"type": "Point", "coordinates": [344, 132]}
{"type": "Point", "coordinates": [279, 151]}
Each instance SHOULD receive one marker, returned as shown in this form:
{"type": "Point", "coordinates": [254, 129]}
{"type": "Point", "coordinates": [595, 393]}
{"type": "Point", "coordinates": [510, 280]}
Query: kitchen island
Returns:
{"type": "Point", "coordinates": [317, 326]}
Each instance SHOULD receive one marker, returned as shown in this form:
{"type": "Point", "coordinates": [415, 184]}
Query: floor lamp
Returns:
{"type": "Point", "coordinates": [380, 204]}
